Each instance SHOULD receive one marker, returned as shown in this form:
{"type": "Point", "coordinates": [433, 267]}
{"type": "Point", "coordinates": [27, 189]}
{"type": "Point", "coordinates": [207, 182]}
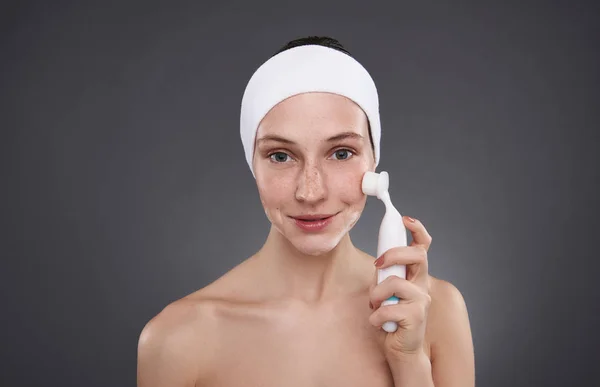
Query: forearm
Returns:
{"type": "Point", "coordinates": [411, 371]}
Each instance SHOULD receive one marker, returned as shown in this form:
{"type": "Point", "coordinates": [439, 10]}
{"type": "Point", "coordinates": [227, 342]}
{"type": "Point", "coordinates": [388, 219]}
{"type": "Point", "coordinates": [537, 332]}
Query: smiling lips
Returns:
{"type": "Point", "coordinates": [313, 223]}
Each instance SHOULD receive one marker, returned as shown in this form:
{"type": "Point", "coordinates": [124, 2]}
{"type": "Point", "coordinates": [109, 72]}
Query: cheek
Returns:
{"type": "Point", "coordinates": [273, 191]}
{"type": "Point", "coordinates": [348, 187]}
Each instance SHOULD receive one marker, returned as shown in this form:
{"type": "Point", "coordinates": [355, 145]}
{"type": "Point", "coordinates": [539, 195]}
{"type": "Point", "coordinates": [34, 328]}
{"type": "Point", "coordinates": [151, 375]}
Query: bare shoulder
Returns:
{"type": "Point", "coordinates": [175, 346]}
{"type": "Point", "coordinates": [444, 294]}
{"type": "Point", "coordinates": [449, 331]}
{"type": "Point", "coordinates": [181, 319]}
{"type": "Point", "coordinates": [447, 305]}
{"type": "Point", "coordinates": [178, 346]}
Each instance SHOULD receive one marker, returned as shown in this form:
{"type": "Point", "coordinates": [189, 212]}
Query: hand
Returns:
{"type": "Point", "coordinates": [411, 311]}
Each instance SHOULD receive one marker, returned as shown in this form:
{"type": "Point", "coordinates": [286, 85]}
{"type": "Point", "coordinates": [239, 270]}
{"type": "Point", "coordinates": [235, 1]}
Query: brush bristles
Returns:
{"type": "Point", "coordinates": [370, 183]}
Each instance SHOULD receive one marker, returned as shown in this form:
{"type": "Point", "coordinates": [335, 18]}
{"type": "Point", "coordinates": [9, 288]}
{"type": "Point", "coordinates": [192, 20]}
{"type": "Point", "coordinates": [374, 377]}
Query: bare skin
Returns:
{"type": "Point", "coordinates": [297, 312]}
{"type": "Point", "coordinates": [233, 333]}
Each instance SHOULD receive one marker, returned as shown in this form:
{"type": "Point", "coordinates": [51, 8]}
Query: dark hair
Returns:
{"type": "Point", "coordinates": [325, 41]}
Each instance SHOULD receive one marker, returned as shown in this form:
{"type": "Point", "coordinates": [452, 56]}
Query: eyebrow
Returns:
{"type": "Point", "coordinates": [337, 137]}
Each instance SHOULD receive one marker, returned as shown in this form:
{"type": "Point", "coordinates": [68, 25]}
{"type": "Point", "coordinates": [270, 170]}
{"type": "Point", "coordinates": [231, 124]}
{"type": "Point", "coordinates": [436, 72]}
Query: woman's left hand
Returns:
{"type": "Point", "coordinates": [411, 311]}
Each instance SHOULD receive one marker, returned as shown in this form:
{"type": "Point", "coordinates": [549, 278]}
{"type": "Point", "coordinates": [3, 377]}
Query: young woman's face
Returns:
{"type": "Point", "coordinates": [311, 153]}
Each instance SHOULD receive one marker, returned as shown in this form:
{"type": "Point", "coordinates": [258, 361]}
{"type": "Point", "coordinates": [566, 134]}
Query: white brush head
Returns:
{"type": "Point", "coordinates": [375, 184]}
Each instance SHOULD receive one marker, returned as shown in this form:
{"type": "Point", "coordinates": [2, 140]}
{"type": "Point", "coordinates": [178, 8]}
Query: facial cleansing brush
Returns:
{"type": "Point", "coordinates": [392, 232]}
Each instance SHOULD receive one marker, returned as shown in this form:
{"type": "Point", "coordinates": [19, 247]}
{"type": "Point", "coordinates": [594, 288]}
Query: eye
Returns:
{"type": "Point", "coordinates": [279, 157]}
{"type": "Point", "coordinates": [342, 154]}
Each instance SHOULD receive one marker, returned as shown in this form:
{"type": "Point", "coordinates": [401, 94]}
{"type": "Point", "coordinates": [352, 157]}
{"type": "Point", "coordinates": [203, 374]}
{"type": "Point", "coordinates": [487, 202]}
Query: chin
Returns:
{"type": "Point", "coordinates": [315, 245]}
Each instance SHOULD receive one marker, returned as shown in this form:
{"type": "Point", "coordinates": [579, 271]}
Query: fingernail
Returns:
{"type": "Point", "coordinates": [410, 219]}
{"type": "Point", "coordinates": [379, 261]}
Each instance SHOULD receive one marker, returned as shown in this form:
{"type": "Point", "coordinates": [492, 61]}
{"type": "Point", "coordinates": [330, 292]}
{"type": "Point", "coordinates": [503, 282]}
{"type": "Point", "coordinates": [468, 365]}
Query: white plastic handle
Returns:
{"type": "Point", "coordinates": [382, 274]}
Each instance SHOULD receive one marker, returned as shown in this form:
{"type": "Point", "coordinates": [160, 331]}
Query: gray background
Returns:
{"type": "Point", "coordinates": [124, 185]}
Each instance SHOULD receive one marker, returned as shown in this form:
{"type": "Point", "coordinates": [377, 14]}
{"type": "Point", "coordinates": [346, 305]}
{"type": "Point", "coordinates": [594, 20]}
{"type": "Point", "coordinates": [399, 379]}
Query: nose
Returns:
{"type": "Point", "coordinates": [312, 187]}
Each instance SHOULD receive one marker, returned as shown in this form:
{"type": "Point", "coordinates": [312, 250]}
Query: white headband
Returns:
{"type": "Point", "coordinates": [309, 68]}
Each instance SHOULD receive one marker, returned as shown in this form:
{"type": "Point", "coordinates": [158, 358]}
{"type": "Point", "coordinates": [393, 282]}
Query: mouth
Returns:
{"type": "Point", "coordinates": [313, 222]}
{"type": "Point", "coordinates": [313, 218]}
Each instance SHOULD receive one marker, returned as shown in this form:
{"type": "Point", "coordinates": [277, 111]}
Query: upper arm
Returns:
{"type": "Point", "coordinates": [169, 352]}
{"type": "Point", "coordinates": [452, 352]}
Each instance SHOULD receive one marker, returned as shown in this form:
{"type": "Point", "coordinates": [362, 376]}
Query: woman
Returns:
{"type": "Point", "coordinates": [305, 310]}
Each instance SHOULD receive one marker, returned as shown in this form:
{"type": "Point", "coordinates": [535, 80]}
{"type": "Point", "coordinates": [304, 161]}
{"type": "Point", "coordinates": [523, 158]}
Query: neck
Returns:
{"type": "Point", "coordinates": [307, 278]}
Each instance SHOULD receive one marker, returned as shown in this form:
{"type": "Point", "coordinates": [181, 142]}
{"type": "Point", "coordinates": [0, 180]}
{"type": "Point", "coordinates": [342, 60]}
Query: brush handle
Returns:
{"type": "Point", "coordinates": [382, 274]}
{"type": "Point", "coordinates": [392, 233]}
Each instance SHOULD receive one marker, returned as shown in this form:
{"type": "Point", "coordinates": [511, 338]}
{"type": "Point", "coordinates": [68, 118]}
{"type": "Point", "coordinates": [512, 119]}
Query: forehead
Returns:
{"type": "Point", "coordinates": [314, 116]}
